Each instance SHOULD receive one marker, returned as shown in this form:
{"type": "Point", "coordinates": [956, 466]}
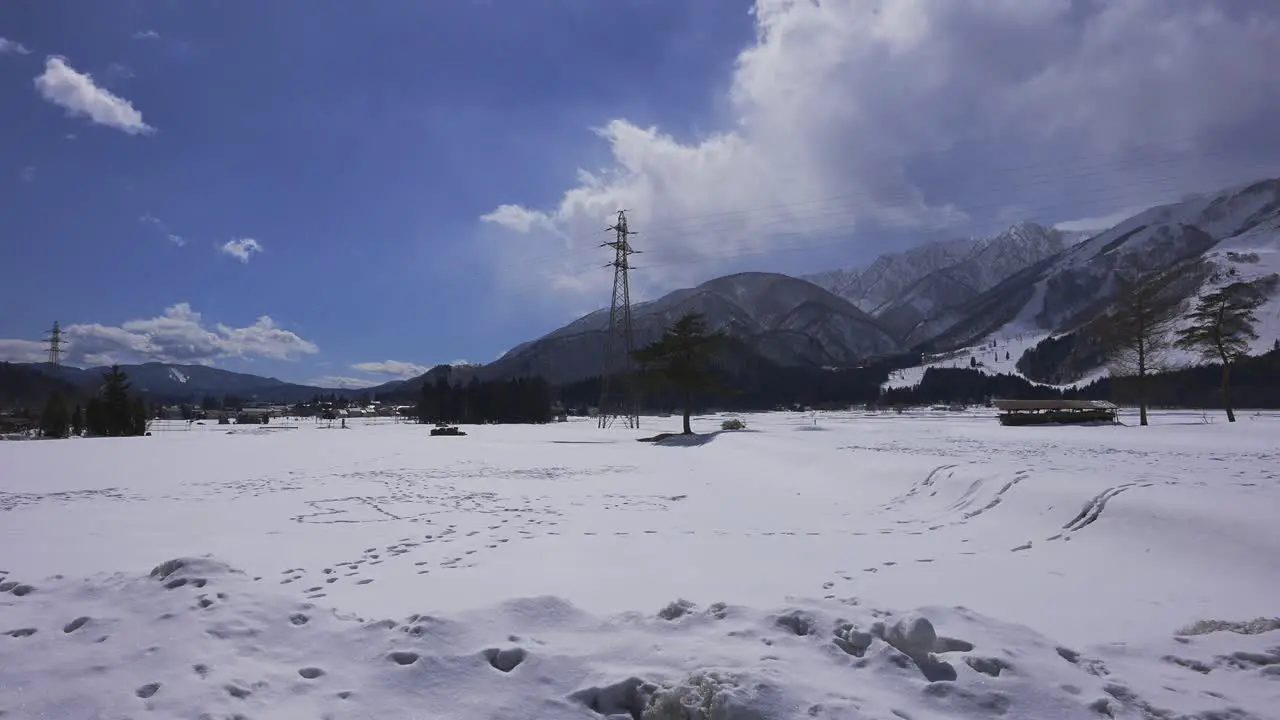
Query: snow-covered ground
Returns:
{"type": "Point", "coordinates": [928, 565]}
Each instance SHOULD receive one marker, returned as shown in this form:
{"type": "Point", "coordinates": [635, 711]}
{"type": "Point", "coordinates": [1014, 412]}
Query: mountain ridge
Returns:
{"type": "Point", "coordinates": [940, 296]}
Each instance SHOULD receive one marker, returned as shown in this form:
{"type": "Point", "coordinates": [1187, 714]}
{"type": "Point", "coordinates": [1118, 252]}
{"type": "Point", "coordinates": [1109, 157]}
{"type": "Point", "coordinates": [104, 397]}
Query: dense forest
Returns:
{"type": "Point", "coordinates": [1064, 359]}
{"type": "Point", "coordinates": [522, 400]}
{"type": "Point", "coordinates": [1255, 384]}
{"type": "Point", "coordinates": [746, 381]}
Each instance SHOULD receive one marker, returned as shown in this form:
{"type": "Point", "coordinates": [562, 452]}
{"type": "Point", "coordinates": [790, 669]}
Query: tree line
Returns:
{"type": "Point", "coordinates": [522, 400]}
{"type": "Point", "coordinates": [112, 412]}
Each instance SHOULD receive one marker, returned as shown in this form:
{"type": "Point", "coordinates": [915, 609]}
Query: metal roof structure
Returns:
{"type": "Point", "coordinates": [1033, 405]}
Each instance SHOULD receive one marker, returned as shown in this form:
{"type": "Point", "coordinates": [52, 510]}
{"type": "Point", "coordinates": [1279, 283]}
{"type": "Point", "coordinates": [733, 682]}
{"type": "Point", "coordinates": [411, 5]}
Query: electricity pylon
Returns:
{"type": "Point", "coordinates": [618, 396]}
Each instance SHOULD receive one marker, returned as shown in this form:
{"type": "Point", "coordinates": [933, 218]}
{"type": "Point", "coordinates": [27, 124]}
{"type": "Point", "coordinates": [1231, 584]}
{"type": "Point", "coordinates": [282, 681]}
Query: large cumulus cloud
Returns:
{"type": "Point", "coordinates": [178, 335]}
{"type": "Point", "coordinates": [867, 125]}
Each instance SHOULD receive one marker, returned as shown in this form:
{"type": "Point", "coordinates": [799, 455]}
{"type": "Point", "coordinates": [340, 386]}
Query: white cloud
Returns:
{"type": "Point", "coordinates": [340, 382]}
{"type": "Point", "coordinates": [393, 368]}
{"type": "Point", "coordinates": [23, 351]}
{"type": "Point", "coordinates": [517, 218]}
{"type": "Point", "coordinates": [12, 47]}
{"type": "Point", "coordinates": [870, 124]}
{"type": "Point", "coordinates": [1102, 222]}
{"type": "Point", "coordinates": [76, 92]}
{"type": "Point", "coordinates": [158, 224]}
{"type": "Point", "coordinates": [178, 335]}
{"type": "Point", "coordinates": [241, 249]}
{"type": "Point", "coordinates": [146, 35]}
{"type": "Point", "coordinates": [28, 174]}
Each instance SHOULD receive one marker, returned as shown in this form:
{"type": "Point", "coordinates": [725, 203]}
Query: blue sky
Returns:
{"type": "Point", "coordinates": [323, 190]}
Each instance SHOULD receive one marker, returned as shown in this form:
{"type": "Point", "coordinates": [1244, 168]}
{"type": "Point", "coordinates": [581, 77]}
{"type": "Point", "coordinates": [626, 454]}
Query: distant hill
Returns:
{"type": "Point", "coordinates": [788, 321]}
{"type": "Point", "coordinates": [22, 386]}
{"type": "Point", "coordinates": [168, 382]}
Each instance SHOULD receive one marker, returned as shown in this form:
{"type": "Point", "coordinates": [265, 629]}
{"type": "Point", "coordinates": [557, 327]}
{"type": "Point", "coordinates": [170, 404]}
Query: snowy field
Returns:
{"type": "Point", "coordinates": [935, 565]}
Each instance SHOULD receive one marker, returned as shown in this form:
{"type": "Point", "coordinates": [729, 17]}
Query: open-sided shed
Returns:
{"type": "Point", "coordinates": [1046, 412]}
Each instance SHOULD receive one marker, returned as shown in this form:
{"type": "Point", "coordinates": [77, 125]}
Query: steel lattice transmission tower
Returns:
{"type": "Point", "coordinates": [618, 397]}
{"type": "Point", "coordinates": [55, 344]}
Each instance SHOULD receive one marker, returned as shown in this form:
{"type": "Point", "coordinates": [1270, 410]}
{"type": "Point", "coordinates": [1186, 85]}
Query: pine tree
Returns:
{"type": "Point", "coordinates": [137, 417]}
{"type": "Point", "coordinates": [77, 421]}
{"type": "Point", "coordinates": [95, 418]}
{"type": "Point", "coordinates": [1145, 310]}
{"type": "Point", "coordinates": [681, 358]}
{"type": "Point", "coordinates": [54, 421]}
{"type": "Point", "coordinates": [1222, 325]}
{"type": "Point", "coordinates": [115, 397]}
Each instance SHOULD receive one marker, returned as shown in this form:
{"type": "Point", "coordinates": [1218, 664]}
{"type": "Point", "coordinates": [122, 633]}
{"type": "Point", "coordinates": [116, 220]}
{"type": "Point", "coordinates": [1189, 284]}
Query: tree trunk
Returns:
{"type": "Point", "coordinates": [688, 411]}
{"type": "Point", "coordinates": [1142, 383]}
{"type": "Point", "coordinates": [1226, 391]}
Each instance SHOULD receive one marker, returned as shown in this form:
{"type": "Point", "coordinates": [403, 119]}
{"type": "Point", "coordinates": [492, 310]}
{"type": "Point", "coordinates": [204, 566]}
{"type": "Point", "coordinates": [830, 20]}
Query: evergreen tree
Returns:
{"type": "Point", "coordinates": [54, 421]}
{"type": "Point", "coordinates": [681, 358]}
{"type": "Point", "coordinates": [77, 421]}
{"type": "Point", "coordinates": [95, 418]}
{"type": "Point", "coordinates": [1222, 325]}
{"type": "Point", "coordinates": [115, 398]}
{"type": "Point", "coordinates": [138, 416]}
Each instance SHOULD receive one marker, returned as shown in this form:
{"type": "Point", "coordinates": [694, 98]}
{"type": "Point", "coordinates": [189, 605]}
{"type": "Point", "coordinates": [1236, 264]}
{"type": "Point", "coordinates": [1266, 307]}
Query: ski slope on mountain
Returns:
{"type": "Point", "coordinates": [843, 566]}
{"type": "Point", "coordinates": [1253, 256]}
{"type": "Point", "coordinates": [1153, 240]}
{"type": "Point", "coordinates": [995, 356]}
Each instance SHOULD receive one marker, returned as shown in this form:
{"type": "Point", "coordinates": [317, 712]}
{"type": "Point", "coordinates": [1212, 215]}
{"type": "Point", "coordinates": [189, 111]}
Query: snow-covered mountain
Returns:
{"type": "Point", "coordinates": [784, 319]}
{"type": "Point", "coordinates": [170, 381]}
{"type": "Point", "coordinates": [991, 261]}
{"type": "Point", "coordinates": [871, 288]}
{"type": "Point", "coordinates": [903, 290]}
{"type": "Point", "coordinates": [1068, 289]}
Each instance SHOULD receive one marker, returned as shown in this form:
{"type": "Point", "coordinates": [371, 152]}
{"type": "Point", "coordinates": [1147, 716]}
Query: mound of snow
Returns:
{"type": "Point", "coordinates": [196, 638]}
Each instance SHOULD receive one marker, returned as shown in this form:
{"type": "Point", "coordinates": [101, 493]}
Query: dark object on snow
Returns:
{"type": "Point", "coordinates": [446, 430]}
{"type": "Point", "coordinates": [1045, 412]}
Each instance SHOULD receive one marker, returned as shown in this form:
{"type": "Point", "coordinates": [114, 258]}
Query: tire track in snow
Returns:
{"type": "Point", "coordinates": [928, 481]}
{"type": "Point", "coordinates": [1093, 508]}
{"type": "Point", "coordinates": [964, 505]}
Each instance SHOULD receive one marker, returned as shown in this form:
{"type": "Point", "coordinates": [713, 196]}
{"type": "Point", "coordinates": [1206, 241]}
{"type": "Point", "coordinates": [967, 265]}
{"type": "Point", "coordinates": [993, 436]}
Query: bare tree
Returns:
{"type": "Point", "coordinates": [1139, 329]}
{"type": "Point", "coordinates": [1222, 325]}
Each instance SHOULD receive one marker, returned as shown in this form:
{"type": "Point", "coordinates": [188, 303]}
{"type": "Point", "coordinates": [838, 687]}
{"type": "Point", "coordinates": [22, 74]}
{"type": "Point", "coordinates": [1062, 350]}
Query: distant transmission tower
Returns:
{"type": "Point", "coordinates": [617, 384]}
{"type": "Point", "coordinates": [55, 344]}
